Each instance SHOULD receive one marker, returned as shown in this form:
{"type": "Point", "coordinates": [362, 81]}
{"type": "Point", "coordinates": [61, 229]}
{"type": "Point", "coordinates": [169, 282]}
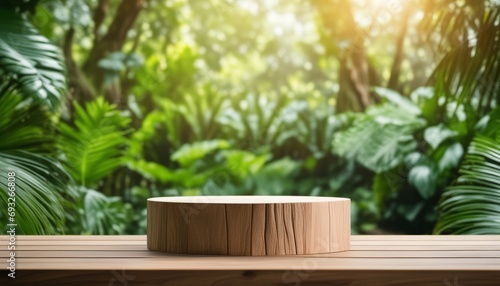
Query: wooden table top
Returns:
{"type": "Point", "coordinates": [469, 257]}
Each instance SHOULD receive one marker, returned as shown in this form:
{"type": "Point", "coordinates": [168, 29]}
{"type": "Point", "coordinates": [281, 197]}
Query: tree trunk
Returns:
{"type": "Point", "coordinates": [112, 41]}
{"type": "Point", "coordinates": [398, 57]}
{"type": "Point", "coordinates": [354, 73]}
{"type": "Point", "coordinates": [79, 88]}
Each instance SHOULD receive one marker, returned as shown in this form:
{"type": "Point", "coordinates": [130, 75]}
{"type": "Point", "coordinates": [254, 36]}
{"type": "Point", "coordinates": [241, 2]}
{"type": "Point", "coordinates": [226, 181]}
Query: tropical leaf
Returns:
{"type": "Point", "coordinates": [24, 126]}
{"type": "Point", "coordinates": [468, 73]}
{"type": "Point", "coordinates": [28, 61]}
{"type": "Point", "coordinates": [151, 170]}
{"type": "Point", "coordinates": [93, 147]}
{"type": "Point", "coordinates": [254, 120]}
{"type": "Point", "coordinates": [471, 205]}
{"type": "Point", "coordinates": [423, 178]}
{"type": "Point", "coordinates": [379, 139]}
{"type": "Point", "coordinates": [397, 99]}
{"type": "Point", "coordinates": [189, 153]}
{"type": "Point", "coordinates": [276, 178]}
{"type": "Point", "coordinates": [39, 181]}
{"type": "Point", "coordinates": [96, 213]}
{"type": "Point", "coordinates": [314, 128]}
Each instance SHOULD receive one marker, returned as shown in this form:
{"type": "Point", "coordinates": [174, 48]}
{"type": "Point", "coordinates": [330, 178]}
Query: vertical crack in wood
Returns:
{"type": "Point", "coordinates": [286, 244]}
{"type": "Point", "coordinates": [292, 210]}
{"type": "Point", "coordinates": [276, 240]}
{"type": "Point", "coordinates": [187, 234]}
{"type": "Point", "coordinates": [251, 231]}
{"type": "Point", "coordinates": [265, 229]}
{"type": "Point", "coordinates": [167, 225]}
{"type": "Point", "coordinates": [227, 229]}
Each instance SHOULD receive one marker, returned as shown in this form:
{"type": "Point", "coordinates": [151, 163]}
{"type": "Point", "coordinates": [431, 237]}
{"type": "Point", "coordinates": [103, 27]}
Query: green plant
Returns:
{"type": "Point", "coordinates": [380, 138]}
{"type": "Point", "coordinates": [470, 205]}
{"type": "Point", "coordinates": [467, 74]}
{"type": "Point", "coordinates": [29, 63]}
{"type": "Point", "coordinates": [91, 212]}
{"type": "Point", "coordinates": [93, 147]}
{"type": "Point", "coordinates": [31, 67]}
{"type": "Point", "coordinates": [40, 180]}
{"type": "Point", "coordinates": [39, 183]}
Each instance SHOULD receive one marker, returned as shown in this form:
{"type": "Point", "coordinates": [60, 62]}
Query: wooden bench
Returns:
{"type": "Point", "coordinates": [372, 260]}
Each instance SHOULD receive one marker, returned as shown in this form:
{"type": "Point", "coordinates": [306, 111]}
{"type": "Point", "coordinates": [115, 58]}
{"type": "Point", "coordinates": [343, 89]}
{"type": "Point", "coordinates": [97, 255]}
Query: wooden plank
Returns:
{"type": "Point", "coordinates": [22, 242]}
{"type": "Point", "coordinates": [300, 276]}
{"type": "Point", "coordinates": [354, 238]}
{"type": "Point", "coordinates": [426, 237]}
{"type": "Point", "coordinates": [4, 238]}
{"type": "Point", "coordinates": [75, 242]}
{"type": "Point", "coordinates": [379, 260]}
{"type": "Point", "coordinates": [354, 247]}
{"type": "Point", "coordinates": [426, 242]}
{"type": "Point", "coordinates": [82, 247]}
{"type": "Point", "coordinates": [75, 237]}
{"type": "Point", "coordinates": [148, 253]}
{"type": "Point", "coordinates": [257, 263]}
{"type": "Point", "coordinates": [425, 247]}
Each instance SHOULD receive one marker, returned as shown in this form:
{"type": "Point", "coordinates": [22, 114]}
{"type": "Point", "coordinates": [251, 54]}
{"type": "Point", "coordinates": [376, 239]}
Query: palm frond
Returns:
{"type": "Point", "coordinates": [39, 180]}
{"type": "Point", "coordinates": [28, 61]}
{"type": "Point", "coordinates": [471, 205]}
{"type": "Point", "coordinates": [93, 147]}
{"type": "Point", "coordinates": [468, 73]}
{"type": "Point", "coordinates": [38, 183]}
{"type": "Point", "coordinates": [24, 126]}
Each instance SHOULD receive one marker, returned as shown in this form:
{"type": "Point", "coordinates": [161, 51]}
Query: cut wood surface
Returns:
{"type": "Point", "coordinates": [248, 225]}
{"type": "Point", "coordinates": [372, 260]}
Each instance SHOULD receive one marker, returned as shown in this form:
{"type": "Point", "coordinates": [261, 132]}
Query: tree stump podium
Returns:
{"type": "Point", "coordinates": [248, 225]}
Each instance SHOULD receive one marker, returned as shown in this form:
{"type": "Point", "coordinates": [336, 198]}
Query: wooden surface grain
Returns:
{"type": "Point", "coordinates": [372, 260]}
{"type": "Point", "coordinates": [248, 225]}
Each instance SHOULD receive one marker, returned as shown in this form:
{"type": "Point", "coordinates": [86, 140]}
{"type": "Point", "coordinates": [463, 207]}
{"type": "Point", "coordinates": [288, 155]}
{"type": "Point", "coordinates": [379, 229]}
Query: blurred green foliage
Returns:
{"type": "Point", "coordinates": [105, 103]}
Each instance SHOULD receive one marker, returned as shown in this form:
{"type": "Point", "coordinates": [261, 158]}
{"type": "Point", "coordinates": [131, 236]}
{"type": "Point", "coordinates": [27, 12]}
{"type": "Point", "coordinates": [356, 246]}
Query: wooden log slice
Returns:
{"type": "Point", "coordinates": [248, 225]}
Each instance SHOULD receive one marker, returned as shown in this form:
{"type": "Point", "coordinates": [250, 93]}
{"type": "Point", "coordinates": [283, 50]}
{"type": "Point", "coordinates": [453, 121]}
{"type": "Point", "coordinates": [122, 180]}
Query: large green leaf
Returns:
{"type": "Point", "coordinates": [29, 61]}
{"type": "Point", "coordinates": [189, 153]}
{"type": "Point", "coordinates": [96, 213]}
{"type": "Point", "coordinates": [93, 147]}
{"type": "Point", "coordinates": [423, 178]}
{"type": "Point", "coordinates": [38, 183]}
{"type": "Point", "coordinates": [379, 139]}
{"type": "Point", "coordinates": [24, 126]}
{"type": "Point", "coordinates": [471, 206]}
{"type": "Point", "coordinates": [39, 180]}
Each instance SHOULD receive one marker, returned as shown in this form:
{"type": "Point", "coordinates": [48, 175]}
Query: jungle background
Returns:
{"type": "Point", "coordinates": [394, 104]}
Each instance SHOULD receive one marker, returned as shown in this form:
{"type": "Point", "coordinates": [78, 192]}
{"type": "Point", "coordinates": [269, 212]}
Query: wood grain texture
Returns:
{"type": "Point", "coordinates": [248, 225]}
{"type": "Point", "coordinates": [372, 260]}
{"type": "Point", "coordinates": [296, 277]}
